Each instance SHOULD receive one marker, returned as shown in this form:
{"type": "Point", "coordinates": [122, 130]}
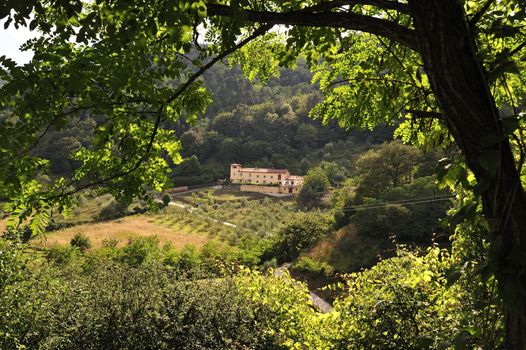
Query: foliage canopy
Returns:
{"type": "Point", "coordinates": [453, 69]}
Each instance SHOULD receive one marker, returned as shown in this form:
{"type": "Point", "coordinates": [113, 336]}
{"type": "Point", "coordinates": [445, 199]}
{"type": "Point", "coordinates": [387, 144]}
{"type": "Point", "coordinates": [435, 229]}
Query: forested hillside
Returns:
{"type": "Point", "coordinates": [256, 124]}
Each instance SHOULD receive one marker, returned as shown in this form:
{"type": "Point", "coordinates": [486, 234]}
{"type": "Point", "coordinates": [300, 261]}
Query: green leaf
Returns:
{"type": "Point", "coordinates": [33, 24]}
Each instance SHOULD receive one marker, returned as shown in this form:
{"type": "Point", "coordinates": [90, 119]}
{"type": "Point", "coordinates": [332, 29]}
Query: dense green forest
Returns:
{"type": "Point", "coordinates": [405, 116]}
{"type": "Point", "coordinates": [261, 125]}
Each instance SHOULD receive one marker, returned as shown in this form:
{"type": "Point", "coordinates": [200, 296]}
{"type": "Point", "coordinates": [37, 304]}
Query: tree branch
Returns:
{"type": "Point", "coordinates": [498, 65]}
{"type": "Point", "coordinates": [477, 16]}
{"type": "Point", "coordinates": [384, 80]}
{"type": "Point", "coordinates": [382, 4]}
{"type": "Point", "coordinates": [517, 49]}
{"type": "Point", "coordinates": [351, 21]}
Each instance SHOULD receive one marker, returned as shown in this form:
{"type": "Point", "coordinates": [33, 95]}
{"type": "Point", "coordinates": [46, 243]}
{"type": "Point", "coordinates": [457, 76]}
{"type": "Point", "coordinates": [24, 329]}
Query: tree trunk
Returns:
{"type": "Point", "coordinates": [458, 80]}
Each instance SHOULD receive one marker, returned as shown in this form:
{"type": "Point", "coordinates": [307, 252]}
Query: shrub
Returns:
{"type": "Point", "coordinates": [60, 255]}
{"type": "Point", "coordinates": [140, 249]}
{"type": "Point", "coordinates": [81, 242]}
{"type": "Point", "coordinates": [313, 189]}
{"type": "Point", "coordinates": [341, 201]}
{"type": "Point", "coordinates": [189, 258]}
{"type": "Point", "coordinates": [110, 243]}
{"type": "Point", "coordinates": [270, 264]}
{"type": "Point", "coordinates": [407, 302]}
{"type": "Point", "coordinates": [166, 199]}
{"type": "Point", "coordinates": [319, 268]}
{"type": "Point", "coordinates": [19, 297]}
{"type": "Point", "coordinates": [112, 210]}
{"type": "Point", "coordinates": [392, 219]}
{"type": "Point", "coordinates": [299, 233]}
{"type": "Point", "coordinates": [117, 306]}
{"type": "Point", "coordinates": [403, 302]}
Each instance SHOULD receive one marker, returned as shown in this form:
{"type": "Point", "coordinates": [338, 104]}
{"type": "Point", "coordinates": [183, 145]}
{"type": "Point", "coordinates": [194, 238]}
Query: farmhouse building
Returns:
{"type": "Point", "coordinates": [265, 180]}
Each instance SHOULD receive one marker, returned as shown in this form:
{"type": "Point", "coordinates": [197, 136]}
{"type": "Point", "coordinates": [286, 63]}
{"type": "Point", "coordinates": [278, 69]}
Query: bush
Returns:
{"type": "Point", "coordinates": [383, 222]}
{"type": "Point", "coordinates": [117, 306]}
{"type": "Point", "coordinates": [318, 268]}
{"type": "Point", "coordinates": [299, 233]}
{"type": "Point", "coordinates": [110, 243]}
{"type": "Point", "coordinates": [81, 242]}
{"type": "Point", "coordinates": [19, 297]}
{"type": "Point", "coordinates": [166, 199]}
{"type": "Point", "coordinates": [112, 210]}
{"type": "Point", "coordinates": [140, 249]}
{"type": "Point", "coordinates": [60, 255]}
{"type": "Point", "coordinates": [313, 189]}
{"type": "Point", "coordinates": [189, 258]}
{"type": "Point", "coordinates": [270, 264]}
{"type": "Point", "coordinates": [405, 302]}
{"type": "Point", "coordinates": [341, 202]}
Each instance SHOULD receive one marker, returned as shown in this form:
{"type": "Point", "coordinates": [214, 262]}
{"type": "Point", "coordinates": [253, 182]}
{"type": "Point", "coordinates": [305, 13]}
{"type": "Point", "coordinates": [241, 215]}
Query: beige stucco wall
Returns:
{"type": "Point", "coordinates": [234, 173]}
{"type": "Point", "coordinates": [260, 189]}
{"type": "Point", "coordinates": [256, 178]}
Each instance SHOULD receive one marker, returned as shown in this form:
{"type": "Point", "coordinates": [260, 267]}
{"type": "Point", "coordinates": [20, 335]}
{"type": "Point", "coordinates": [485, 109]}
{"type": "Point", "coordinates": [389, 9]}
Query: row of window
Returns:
{"type": "Point", "coordinates": [264, 176]}
{"type": "Point", "coordinates": [287, 183]}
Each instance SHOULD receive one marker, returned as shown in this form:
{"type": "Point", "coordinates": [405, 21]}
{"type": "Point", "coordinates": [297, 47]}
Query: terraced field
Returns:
{"type": "Point", "coordinates": [196, 218]}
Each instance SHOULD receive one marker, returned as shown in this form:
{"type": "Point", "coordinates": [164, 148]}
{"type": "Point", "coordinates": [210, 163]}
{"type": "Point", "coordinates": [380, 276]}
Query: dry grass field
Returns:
{"type": "Point", "coordinates": [201, 221]}
{"type": "Point", "coordinates": [122, 230]}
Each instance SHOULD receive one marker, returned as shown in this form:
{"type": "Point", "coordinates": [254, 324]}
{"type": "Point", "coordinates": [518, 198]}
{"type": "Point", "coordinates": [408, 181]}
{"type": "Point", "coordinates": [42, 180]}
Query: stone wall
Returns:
{"type": "Point", "coordinates": [260, 189]}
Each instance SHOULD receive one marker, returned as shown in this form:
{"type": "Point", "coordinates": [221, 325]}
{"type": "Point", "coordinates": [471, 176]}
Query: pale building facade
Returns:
{"type": "Point", "coordinates": [265, 180]}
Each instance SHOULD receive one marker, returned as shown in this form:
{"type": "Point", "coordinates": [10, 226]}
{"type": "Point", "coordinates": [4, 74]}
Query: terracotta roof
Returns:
{"type": "Point", "coordinates": [263, 170]}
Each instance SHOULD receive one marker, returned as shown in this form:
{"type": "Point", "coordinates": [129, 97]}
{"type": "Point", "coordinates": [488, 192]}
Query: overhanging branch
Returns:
{"type": "Point", "coordinates": [381, 4]}
{"type": "Point", "coordinates": [351, 21]}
